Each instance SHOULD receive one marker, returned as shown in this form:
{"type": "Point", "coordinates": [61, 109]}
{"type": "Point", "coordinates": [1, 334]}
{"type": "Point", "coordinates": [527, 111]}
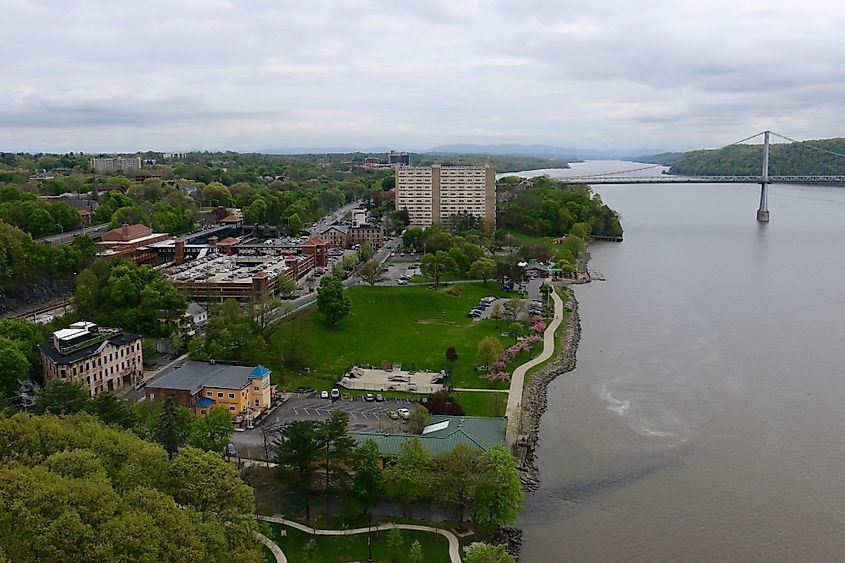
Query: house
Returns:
{"type": "Point", "coordinates": [442, 435]}
{"type": "Point", "coordinates": [245, 391]}
{"type": "Point", "coordinates": [103, 359]}
{"type": "Point", "coordinates": [336, 235]}
{"type": "Point", "coordinates": [198, 313]}
{"type": "Point", "coordinates": [536, 270]}
{"type": "Point", "coordinates": [131, 242]}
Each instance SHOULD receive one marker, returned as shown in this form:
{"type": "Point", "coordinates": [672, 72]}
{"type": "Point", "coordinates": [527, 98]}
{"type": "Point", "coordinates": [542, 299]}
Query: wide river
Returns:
{"type": "Point", "coordinates": [706, 418]}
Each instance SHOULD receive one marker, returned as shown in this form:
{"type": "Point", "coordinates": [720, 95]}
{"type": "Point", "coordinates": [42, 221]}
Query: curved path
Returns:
{"type": "Point", "coordinates": [518, 377]}
{"type": "Point", "coordinates": [272, 546]}
{"type": "Point", "coordinates": [454, 546]}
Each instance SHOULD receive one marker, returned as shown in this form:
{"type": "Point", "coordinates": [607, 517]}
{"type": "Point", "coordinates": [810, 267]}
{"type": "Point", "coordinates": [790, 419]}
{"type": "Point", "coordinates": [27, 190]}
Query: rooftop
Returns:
{"type": "Point", "coordinates": [193, 376]}
{"type": "Point", "coordinates": [443, 434]}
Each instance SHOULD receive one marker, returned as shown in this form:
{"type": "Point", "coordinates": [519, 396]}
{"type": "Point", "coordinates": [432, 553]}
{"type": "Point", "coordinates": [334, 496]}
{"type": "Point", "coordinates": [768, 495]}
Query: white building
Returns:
{"type": "Point", "coordinates": [116, 163]}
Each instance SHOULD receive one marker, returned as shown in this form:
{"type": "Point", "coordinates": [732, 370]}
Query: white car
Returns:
{"type": "Point", "coordinates": [404, 413]}
{"type": "Point", "coordinates": [324, 394]}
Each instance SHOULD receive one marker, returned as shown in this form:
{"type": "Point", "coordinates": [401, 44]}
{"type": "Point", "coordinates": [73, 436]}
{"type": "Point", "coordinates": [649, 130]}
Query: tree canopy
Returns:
{"type": "Point", "coordinates": [332, 301]}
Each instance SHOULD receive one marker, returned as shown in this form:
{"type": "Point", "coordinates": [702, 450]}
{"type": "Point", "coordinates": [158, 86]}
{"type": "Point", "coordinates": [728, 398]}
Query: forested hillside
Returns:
{"type": "Point", "coordinates": [784, 160]}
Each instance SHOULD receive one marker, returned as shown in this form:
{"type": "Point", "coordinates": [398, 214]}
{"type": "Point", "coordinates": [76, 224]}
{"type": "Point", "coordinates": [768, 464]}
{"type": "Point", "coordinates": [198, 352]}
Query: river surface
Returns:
{"type": "Point", "coordinates": [705, 420]}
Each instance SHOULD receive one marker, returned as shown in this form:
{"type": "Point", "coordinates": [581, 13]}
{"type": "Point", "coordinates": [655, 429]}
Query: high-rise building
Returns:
{"type": "Point", "coordinates": [394, 157]}
{"type": "Point", "coordinates": [116, 163]}
{"type": "Point", "coordinates": [433, 194]}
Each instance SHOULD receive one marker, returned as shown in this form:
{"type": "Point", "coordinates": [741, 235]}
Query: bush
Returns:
{"type": "Point", "coordinates": [444, 403]}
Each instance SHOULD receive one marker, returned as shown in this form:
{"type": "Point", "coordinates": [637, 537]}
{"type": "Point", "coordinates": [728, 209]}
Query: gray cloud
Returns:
{"type": "Point", "coordinates": [115, 75]}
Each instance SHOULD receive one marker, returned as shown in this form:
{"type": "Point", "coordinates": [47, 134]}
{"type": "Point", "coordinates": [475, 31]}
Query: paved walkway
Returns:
{"type": "Point", "coordinates": [454, 546]}
{"type": "Point", "coordinates": [478, 390]}
{"type": "Point", "coordinates": [518, 377]}
{"type": "Point", "coordinates": [272, 546]}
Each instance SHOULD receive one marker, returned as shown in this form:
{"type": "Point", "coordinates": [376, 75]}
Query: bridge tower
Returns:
{"type": "Point", "coordinates": [763, 210]}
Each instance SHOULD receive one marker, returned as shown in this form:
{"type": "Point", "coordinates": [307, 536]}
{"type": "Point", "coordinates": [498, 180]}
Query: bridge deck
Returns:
{"type": "Point", "coordinates": [672, 179]}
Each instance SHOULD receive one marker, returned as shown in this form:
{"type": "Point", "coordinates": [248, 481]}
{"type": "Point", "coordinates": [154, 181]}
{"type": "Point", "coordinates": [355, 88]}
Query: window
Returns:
{"type": "Point", "coordinates": [256, 389]}
{"type": "Point", "coordinates": [202, 411]}
{"type": "Point", "coordinates": [231, 408]}
{"type": "Point", "coordinates": [209, 393]}
{"type": "Point", "coordinates": [219, 394]}
{"type": "Point", "coordinates": [231, 395]}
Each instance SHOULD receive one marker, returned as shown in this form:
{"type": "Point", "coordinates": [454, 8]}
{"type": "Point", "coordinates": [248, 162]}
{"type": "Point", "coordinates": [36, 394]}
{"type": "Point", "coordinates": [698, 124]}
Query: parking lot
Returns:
{"type": "Point", "coordinates": [364, 416]}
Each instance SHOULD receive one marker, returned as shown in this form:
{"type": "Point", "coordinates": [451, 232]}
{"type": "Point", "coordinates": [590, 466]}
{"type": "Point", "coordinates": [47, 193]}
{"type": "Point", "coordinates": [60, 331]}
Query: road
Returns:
{"type": "Point", "coordinates": [92, 231]}
{"type": "Point", "coordinates": [333, 217]}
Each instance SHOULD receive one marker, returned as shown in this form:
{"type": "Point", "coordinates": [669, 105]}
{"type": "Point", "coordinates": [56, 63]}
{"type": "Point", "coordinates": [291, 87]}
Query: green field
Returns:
{"type": "Point", "coordinates": [413, 325]}
{"type": "Point", "coordinates": [435, 547]}
{"type": "Point", "coordinates": [481, 403]}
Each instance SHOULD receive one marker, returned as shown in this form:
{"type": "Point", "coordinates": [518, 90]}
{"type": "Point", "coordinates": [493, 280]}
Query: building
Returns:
{"type": "Point", "coordinates": [245, 391]}
{"type": "Point", "coordinates": [198, 313]}
{"type": "Point", "coordinates": [344, 236]}
{"type": "Point", "coordinates": [335, 235]}
{"type": "Point", "coordinates": [442, 435]}
{"type": "Point", "coordinates": [132, 242]}
{"type": "Point", "coordinates": [394, 157]}
{"type": "Point", "coordinates": [433, 194]}
{"type": "Point", "coordinates": [103, 359]}
{"type": "Point", "coordinates": [116, 163]}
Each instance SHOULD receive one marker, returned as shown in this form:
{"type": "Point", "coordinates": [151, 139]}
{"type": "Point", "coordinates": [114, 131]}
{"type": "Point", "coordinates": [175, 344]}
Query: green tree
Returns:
{"type": "Point", "coordinates": [111, 409]}
{"type": "Point", "coordinates": [370, 272]}
{"type": "Point", "coordinates": [298, 448]}
{"type": "Point", "coordinates": [173, 426]}
{"type": "Point", "coordinates": [367, 481]}
{"type": "Point", "coordinates": [332, 300]}
{"type": "Point", "coordinates": [516, 330]}
{"type": "Point", "coordinates": [294, 225]}
{"type": "Point", "coordinates": [395, 541]}
{"type": "Point", "coordinates": [285, 287]}
{"type": "Point", "coordinates": [489, 350]}
{"type": "Point", "coordinates": [413, 238]}
{"type": "Point", "coordinates": [484, 268]}
{"type": "Point", "coordinates": [479, 552]}
{"type": "Point", "coordinates": [420, 417]}
{"type": "Point", "coordinates": [212, 432]}
{"type": "Point", "coordinates": [416, 552]}
{"type": "Point", "coordinates": [337, 446]}
{"type": "Point", "coordinates": [456, 477]}
{"type": "Point", "coordinates": [451, 356]}
{"type": "Point", "coordinates": [256, 212]}
{"type": "Point", "coordinates": [13, 366]}
{"type": "Point", "coordinates": [409, 477]}
{"type": "Point", "coordinates": [498, 492]}
{"type": "Point", "coordinates": [60, 396]}
{"type": "Point", "coordinates": [436, 265]}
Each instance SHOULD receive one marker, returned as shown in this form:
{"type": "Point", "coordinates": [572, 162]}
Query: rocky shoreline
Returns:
{"type": "Point", "coordinates": [537, 401]}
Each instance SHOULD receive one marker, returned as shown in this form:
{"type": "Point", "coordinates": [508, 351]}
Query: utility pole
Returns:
{"type": "Point", "coordinates": [763, 210]}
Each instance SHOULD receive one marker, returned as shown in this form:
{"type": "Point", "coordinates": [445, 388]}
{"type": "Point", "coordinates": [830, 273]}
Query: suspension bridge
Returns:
{"type": "Point", "coordinates": [764, 179]}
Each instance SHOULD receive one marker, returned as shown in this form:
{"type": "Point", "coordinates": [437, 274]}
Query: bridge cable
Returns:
{"type": "Point", "coordinates": [804, 143]}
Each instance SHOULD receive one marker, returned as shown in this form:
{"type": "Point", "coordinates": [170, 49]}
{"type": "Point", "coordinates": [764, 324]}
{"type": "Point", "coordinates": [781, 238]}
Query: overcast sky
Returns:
{"type": "Point", "coordinates": [250, 75]}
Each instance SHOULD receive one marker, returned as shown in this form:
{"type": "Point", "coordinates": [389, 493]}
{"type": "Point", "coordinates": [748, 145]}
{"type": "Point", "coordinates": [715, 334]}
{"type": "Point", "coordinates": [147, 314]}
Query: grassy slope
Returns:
{"type": "Point", "coordinates": [435, 547]}
{"type": "Point", "coordinates": [413, 325]}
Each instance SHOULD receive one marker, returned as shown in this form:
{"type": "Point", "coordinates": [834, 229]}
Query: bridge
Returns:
{"type": "Point", "coordinates": [763, 179]}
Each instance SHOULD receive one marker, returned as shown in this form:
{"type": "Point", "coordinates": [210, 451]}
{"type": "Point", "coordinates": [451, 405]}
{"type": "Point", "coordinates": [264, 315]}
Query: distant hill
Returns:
{"type": "Point", "coordinates": [784, 160]}
{"type": "Point", "coordinates": [665, 158]}
{"type": "Point", "coordinates": [539, 151]}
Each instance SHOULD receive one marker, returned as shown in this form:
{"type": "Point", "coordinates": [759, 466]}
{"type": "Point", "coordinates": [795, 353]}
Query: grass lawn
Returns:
{"type": "Point", "coordinates": [482, 403]}
{"type": "Point", "coordinates": [413, 325]}
{"type": "Point", "coordinates": [435, 547]}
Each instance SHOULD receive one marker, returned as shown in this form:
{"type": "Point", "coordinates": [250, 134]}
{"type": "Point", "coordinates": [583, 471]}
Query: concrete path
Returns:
{"type": "Point", "coordinates": [272, 546]}
{"type": "Point", "coordinates": [481, 390]}
{"type": "Point", "coordinates": [454, 546]}
{"type": "Point", "coordinates": [518, 377]}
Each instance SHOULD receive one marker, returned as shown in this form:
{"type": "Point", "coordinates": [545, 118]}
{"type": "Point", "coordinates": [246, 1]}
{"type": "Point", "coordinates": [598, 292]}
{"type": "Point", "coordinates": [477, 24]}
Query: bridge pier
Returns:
{"type": "Point", "coordinates": [763, 210]}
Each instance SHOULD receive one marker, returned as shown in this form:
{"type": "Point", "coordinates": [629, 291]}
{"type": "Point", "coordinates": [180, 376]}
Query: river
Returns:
{"type": "Point", "coordinates": [705, 420]}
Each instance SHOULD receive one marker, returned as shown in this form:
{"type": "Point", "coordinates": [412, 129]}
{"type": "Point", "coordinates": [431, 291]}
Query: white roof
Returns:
{"type": "Point", "coordinates": [435, 427]}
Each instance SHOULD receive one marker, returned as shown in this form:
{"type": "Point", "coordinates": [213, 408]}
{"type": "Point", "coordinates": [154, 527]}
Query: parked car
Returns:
{"type": "Point", "coordinates": [230, 450]}
{"type": "Point", "coordinates": [335, 394]}
{"type": "Point", "coordinates": [369, 397]}
{"type": "Point", "coordinates": [402, 282]}
{"type": "Point", "coordinates": [393, 414]}
{"type": "Point", "coordinates": [379, 398]}
{"type": "Point", "coordinates": [404, 413]}
{"type": "Point", "coordinates": [324, 394]}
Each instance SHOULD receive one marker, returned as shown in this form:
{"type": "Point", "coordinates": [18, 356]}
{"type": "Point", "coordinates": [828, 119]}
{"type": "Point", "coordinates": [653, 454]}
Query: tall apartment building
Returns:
{"type": "Point", "coordinates": [432, 194]}
{"type": "Point", "coordinates": [103, 359]}
{"type": "Point", "coordinates": [116, 163]}
{"type": "Point", "coordinates": [394, 157]}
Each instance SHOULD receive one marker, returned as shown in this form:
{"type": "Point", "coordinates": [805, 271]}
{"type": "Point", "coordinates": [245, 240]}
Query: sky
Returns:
{"type": "Point", "coordinates": [253, 75]}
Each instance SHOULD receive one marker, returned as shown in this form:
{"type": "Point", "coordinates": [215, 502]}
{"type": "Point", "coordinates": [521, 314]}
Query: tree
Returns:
{"type": "Point", "coordinates": [285, 287]}
{"type": "Point", "coordinates": [484, 268]}
{"type": "Point", "coordinates": [173, 426]}
{"type": "Point", "coordinates": [496, 310]}
{"type": "Point", "coordinates": [456, 477]}
{"type": "Point", "coordinates": [408, 478]}
{"type": "Point", "coordinates": [309, 550]}
{"type": "Point", "coordinates": [212, 432]}
{"type": "Point", "coordinates": [294, 225]}
{"type": "Point", "coordinates": [516, 330]}
{"type": "Point", "coordinates": [13, 366]}
{"type": "Point", "coordinates": [337, 447]}
{"type": "Point", "coordinates": [479, 552]}
{"type": "Point", "coordinates": [298, 448]}
{"type": "Point", "coordinates": [413, 238]}
{"type": "Point", "coordinates": [332, 301]}
{"type": "Point", "coordinates": [420, 417]}
{"type": "Point", "coordinates": [365, 253]}
{"type": "Point", "coordinates": [370, 272]}
{"type": "Point", "coordinates": [416, 553]}
{"type": "Point", "coordinates": [498, 493]}
{"type": "Point", "coordinates": [111, 409]}
{"type": "Point", "coordinates": [436, 265]}
{"type": "Point", "coordinates": [489, 350]}
{"type": "Point", "coordinates": [367, 480]}
{"type": "Point", "coordinates": [451, 356]}
{"type": "Point", "coordinates": [26, 336]}
{"type": "Point", "coordinates": [395, 541]}
{"type": "Point", "coordinates": [62, 397]}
